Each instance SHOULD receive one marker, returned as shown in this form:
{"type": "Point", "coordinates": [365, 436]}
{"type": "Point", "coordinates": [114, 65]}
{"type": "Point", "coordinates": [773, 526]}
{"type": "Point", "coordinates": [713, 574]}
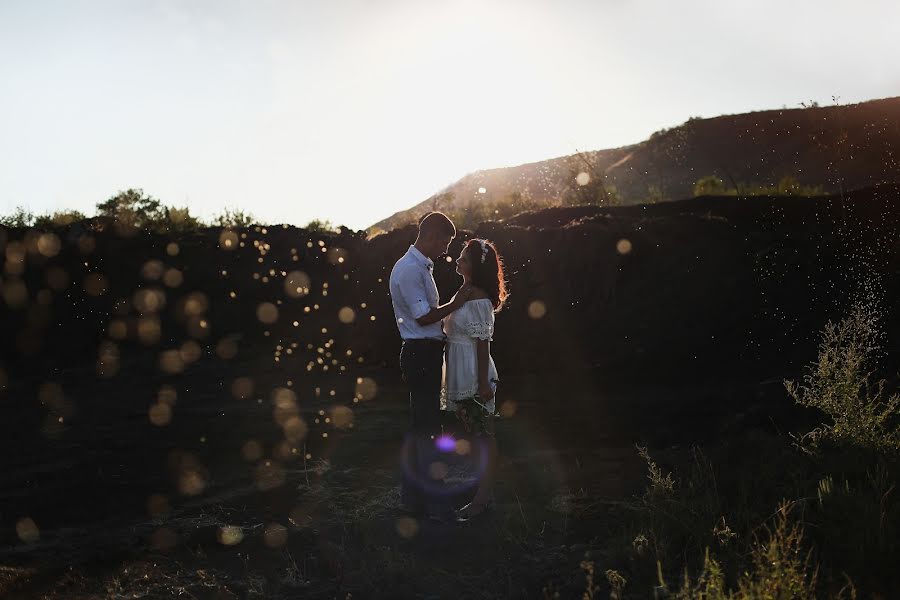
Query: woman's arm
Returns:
{"type": "Point", "coordinates": [437, 313]}
{"type": "Point", "coordinates": [485, 391]}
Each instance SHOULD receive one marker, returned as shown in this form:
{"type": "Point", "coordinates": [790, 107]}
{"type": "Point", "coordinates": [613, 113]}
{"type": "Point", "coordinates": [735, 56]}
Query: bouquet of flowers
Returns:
{"type": "Point", "coordinates": [474, 415]}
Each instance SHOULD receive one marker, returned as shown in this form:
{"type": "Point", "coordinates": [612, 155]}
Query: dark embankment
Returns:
{"type": "Point", "coordinates": [709, 287]}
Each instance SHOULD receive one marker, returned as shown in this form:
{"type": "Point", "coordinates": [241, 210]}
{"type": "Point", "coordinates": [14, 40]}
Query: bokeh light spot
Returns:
{"type": "Point", "coordinates": [167, 395]}
{"type": "Point", "coordinates": [623, 246]}
{"type": "Point", "coordinates": [366, 388]}
{"type": "Point", "coordinates": [48, 245]}
{"type": "Point", "coordinates": [27, 530]}
{"type": "Point", "coordinates": [252, 451]}
{"type": "Point", "coordinates": [295, 429]}
{"type": "Point", "coordinates": [267, 313]}
{"type": "Point", "coordinates": [463, 447]}
{"type": "Point", "coordinates": [275, 535]}
{"type": "Point", "coordinates": [537, 309]}
{"type": "Point", "coordinates": [160, 414]}
{"type": "Point", "coordinates": [407, 527]}
{"type": "Point", "coordinates": [297, 284]}
{"type": "Point", "coordinates": [152, 270]}
{"type": "Point", "coordinates": [148, 330]}
{"type": "Point", "coordinates": [173, 278]}
{"type": "Point", "coordinates": [170, 362]}
{"type": "Point", "coordinates": [508, 409]}
{"type": "Point", "coordinates": [230, 535]}
{"type": "Point", "coordinates": [342, 417]}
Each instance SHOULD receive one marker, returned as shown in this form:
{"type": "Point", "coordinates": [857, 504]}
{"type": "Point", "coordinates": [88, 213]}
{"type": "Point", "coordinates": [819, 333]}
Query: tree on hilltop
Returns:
{"type": "Point", "coordinates": [133, 207]}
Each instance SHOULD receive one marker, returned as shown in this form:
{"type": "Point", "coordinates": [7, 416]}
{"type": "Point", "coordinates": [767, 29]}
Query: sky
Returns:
{"type": "Point", "coordinates": [350, 110]}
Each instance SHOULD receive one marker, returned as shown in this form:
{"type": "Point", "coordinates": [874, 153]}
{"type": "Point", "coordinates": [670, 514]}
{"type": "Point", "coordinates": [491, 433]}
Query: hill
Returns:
{"type": "Point", "coordinates": [828, 149]}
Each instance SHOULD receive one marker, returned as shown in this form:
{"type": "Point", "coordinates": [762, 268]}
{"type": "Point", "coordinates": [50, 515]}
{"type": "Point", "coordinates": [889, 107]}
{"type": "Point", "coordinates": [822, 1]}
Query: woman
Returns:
{"type": "Point", "coordinates": [470, 377]}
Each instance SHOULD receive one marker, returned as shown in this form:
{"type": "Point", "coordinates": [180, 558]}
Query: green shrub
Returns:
{"type": "Point", "coordinates": [710, 185]}
{"type": "Point", "coordinates": [20, 218]}
{"type": "Point", "coordinates": [234, 217]}
{"type": "Point", "coordinates": [840, 384]}
{"type": "Point", "coordinates": [58, 219]}
{"type": "Point", "coordinates": [320, 226]}
{"type": "Point", "coordinates": [780, 569]}
{"type": "Point", "coordinates": [177, 220]}
{"type": "Point", "coordinates": [133, 208]}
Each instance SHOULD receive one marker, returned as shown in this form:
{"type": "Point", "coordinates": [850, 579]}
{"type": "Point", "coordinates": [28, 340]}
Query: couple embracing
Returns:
{"type": "Point", "coordinates": [446, 363]}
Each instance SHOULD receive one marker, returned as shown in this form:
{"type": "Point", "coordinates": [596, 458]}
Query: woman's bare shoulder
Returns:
{"type": "Point", "coordinates": [478, 294]}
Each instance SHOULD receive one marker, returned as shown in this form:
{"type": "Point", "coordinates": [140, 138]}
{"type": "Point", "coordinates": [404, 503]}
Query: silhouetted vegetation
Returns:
{"type": "Point", "coordinates": [709, 524]}
{"type": "Point", "coordinates": [710, 185]}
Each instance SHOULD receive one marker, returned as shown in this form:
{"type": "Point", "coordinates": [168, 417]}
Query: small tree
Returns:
{"type": "Point", "coordinates": [654, 195]}
{"type": "Point", "coordinates": [320, 226]}
{"type": "Point", "coordinates": [234, 217]}
{"type": "Point", "coordinates": [178, 220]}
{"type": "Point", "coordinates": [133, 208]}
{"type": "Point", "coordinates": [709, 185]}
{"type": "Point", "coordinates": [20, 218]}
{"type": "Point", "coordinates": [587, 184]}
{"type": "Point", "coordinates": [59, 219]}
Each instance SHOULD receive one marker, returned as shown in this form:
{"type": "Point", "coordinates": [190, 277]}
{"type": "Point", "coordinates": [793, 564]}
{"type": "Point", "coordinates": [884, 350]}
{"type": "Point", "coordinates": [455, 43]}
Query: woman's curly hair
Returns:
{"type": "Point", "coordinates": [487, 274]}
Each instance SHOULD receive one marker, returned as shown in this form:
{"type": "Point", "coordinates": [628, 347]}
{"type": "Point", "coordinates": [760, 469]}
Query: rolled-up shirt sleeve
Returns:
{"type": "Point", "coordinates": [411, 286]}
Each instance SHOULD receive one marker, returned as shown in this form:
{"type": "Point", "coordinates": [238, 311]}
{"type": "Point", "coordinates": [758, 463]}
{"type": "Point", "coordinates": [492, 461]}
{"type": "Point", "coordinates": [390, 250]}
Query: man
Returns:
{"type": "Point", "coordinates": [414, 295]}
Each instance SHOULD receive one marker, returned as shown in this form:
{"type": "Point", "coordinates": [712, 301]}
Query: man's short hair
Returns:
{"type": "Point", "coordinates": [436, 223]}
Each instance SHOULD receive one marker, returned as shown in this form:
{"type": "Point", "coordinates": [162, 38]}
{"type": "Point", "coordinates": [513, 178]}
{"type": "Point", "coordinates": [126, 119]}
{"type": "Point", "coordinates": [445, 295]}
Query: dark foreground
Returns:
{"type": "Point", "coordinates": [117, 516]}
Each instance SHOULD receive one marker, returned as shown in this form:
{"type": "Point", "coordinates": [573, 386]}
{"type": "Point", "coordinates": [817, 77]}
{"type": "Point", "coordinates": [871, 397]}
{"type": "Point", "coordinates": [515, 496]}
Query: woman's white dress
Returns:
{"type": "Point", "coordinates": [473, 321]}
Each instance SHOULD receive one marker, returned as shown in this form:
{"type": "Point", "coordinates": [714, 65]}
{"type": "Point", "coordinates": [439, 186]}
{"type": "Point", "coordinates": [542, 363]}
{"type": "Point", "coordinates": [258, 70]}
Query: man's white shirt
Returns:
{"type": "Point", "coordinates": [413, 294]}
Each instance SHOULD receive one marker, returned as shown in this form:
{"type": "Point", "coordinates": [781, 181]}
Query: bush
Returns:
{"type": "Point", "coordinates": [20, 218]}
{"type": "Point", "coordinates": [59, 219]}
{"type": "Point", "coordinates": [710, 186]}
{"type": "Point", "coordinates": [132, 208]}
{"type": "Point", "coordinates": [320, 226]}
{"type": "Point", "coordinates": [177, 220]}
{"type": "Point", "coordinates": [840, 384]}
{"type": "Point", "coordinates": [780, 569]}
{"type": "Point", "coordinates": [234, 217]}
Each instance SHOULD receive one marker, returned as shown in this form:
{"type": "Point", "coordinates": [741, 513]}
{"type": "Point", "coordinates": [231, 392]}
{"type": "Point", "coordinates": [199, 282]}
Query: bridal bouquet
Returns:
{"type": "Point", "coordinates": [474, 415]}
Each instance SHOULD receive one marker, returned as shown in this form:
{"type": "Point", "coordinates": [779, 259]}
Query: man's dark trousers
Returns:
{"type": "Point", "coordinates": [422, 363]}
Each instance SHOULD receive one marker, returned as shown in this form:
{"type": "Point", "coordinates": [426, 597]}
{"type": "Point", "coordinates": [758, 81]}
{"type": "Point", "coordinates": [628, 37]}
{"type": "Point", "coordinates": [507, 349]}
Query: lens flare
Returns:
{"type": "Point", "coordinates": [445, 443]}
